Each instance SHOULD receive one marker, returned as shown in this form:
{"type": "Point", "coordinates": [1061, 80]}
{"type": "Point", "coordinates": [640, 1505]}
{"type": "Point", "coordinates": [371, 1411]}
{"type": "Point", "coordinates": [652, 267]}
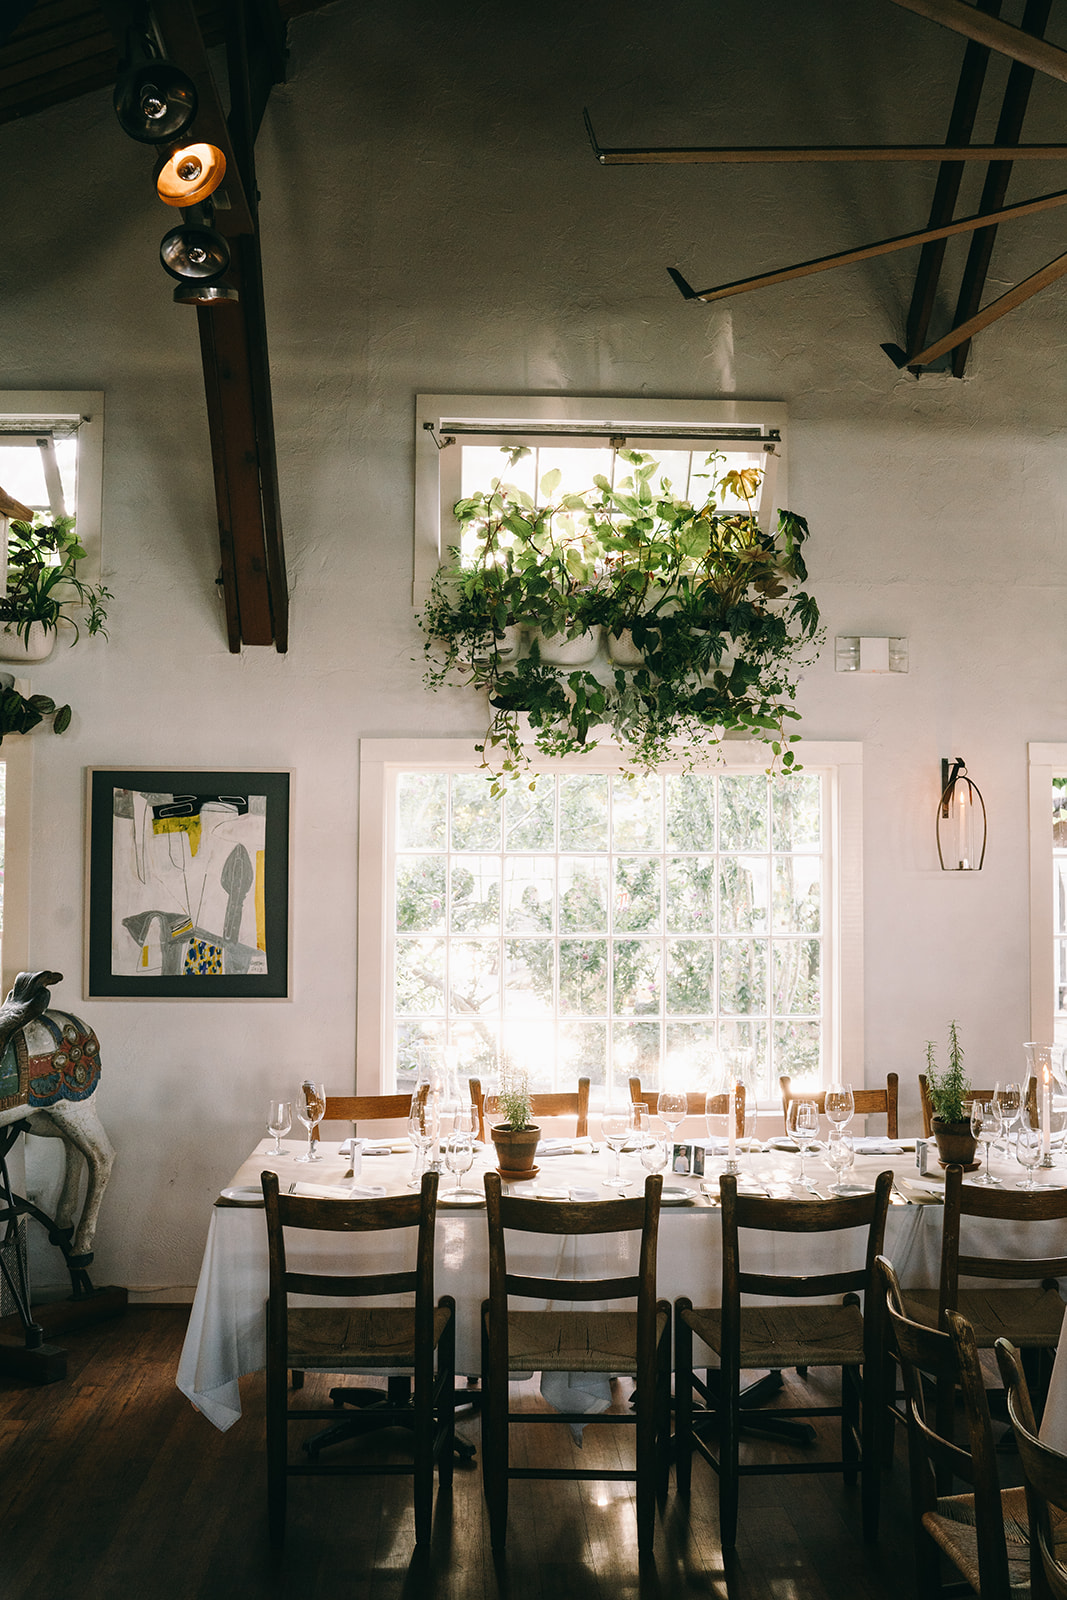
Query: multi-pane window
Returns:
{"type": "Point", "coordinates": [602, 925]}
{"type": "Point", "coordinates": [1059, 902]}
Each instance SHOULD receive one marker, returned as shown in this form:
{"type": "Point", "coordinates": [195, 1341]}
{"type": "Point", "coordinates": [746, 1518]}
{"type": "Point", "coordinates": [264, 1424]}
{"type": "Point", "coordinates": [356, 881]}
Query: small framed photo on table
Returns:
{"type": "Point", "coordinates": [187, 884]}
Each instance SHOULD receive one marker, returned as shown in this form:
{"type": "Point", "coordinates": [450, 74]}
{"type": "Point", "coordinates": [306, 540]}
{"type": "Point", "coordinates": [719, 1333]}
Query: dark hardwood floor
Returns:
{"type": "Point", "coordinates": [112, 1486]}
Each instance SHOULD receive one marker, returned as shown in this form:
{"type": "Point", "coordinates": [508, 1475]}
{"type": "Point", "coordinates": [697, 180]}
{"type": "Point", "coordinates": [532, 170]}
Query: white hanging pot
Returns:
{"type": "Point", "coordinates": [508, 647]}
{"type": "Point", "coordinates": [623, 651]}
{"type": "Point", "coordinates": [559, 651]}
{"type": "Point", "coordinates": [35, 644]}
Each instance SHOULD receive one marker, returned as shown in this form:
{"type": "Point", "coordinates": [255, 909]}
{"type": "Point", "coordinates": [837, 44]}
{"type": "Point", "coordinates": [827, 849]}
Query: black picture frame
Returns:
{"type": "Point", "coordinates": [168, 846]}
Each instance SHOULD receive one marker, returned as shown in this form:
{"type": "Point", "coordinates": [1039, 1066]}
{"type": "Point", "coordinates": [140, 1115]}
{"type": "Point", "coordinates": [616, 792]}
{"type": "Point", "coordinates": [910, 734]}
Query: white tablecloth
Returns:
{"type": "Point", "coordinates": [226, 1334]}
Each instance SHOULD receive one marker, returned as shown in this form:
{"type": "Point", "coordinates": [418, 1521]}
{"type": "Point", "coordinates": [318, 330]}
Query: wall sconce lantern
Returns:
{"type": "Point", "coordinates": [961, 832]}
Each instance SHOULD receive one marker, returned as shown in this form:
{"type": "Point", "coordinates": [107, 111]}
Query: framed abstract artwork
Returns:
{"type": "Point", "coordinates": [187, 885]}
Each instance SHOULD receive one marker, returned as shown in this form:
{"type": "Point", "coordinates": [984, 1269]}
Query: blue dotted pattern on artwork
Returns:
{"type": "Point", "coordinates": [203, 959]}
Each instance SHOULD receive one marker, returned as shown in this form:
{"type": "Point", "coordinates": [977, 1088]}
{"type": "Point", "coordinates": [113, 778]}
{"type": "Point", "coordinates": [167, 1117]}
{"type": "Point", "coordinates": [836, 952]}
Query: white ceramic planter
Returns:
{"type": "Point", "coordinates": [559, 651]}
{"type": "Point", "coordinates": [508, 648]}
{"type": "Point", "coordinates": [623, 651]}
{"type": "Point", "coordinates": [35, 646]}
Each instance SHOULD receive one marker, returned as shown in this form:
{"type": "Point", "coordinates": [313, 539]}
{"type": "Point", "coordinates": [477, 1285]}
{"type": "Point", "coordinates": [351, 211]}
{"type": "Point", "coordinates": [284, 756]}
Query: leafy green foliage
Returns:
{"type": "Point", "coordinates": [21, 714]}
{"type": "Point", "coordinates": [947, 1089]}
{"type": "Point", "coordinates": [709, 598]}
{"type": "Point", "coordinates": [43, 585]}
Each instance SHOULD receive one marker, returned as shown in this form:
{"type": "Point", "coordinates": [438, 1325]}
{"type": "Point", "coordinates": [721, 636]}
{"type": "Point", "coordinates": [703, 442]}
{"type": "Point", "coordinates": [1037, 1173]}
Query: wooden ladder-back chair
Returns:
{"type": "Point", "coordinates": [575, 1340]}
{"type": "Point", "coordinates": [776, 1336]}
{"type": "Point", "coordinates": [869, 1102]}
{"type": "Point", "coordinates": [362, 1338]}
{"type": "Point", "coordinates": [1045, 1474]}
{"type": "Point", "coordinates": [1029, 1316]}
{"type": "Point", "coordinates": [971, 1094]}
{"type": "Point", "coordinates": [357, 1108]}
{"type": "Point", "coordinates": [574, 1104]}
{"type": "Point", "coordinates": [983, 1532]}
{"type": "Point", "coordinates": [696, 1103]}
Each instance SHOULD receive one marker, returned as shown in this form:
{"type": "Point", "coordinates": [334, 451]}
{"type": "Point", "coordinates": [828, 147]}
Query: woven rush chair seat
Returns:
{"type": "Point", "coordinates": [341, 1338]}
{"type": "Point", "coordinates": [984, 1533]}
{"type": "Point", "coordinates": [1045, 1472]}
{"type": "Point", "coordinates": [747, 1338]}
{"type": "Point", "coordinates": [952, 1528]}
{"type": "Point", "coordinates": [790, 1336]}
{"type": "Point", "coordinates": [346, 1339]}
{"type": "Point", "coordinates": [583, 1337]}
{"type": "Point", "coordinates": [1030, 1317]}
{"type": "Point", "coordinates": [555, 1341]}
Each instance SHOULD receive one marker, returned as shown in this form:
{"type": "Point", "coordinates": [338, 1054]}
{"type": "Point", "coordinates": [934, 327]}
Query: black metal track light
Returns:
{"type": "Point", "coordinates": [194, 252]}
{"type": "Point", "coordinates": [155, 102]}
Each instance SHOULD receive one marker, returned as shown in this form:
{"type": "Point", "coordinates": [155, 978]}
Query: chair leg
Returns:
{"type": "Point", "coordinates": [729, 1452]}
{"type": "Point", "coordinates": [423, 1450]}
{"type": "Point", "coordinates": [646, 1468]}
{"type": "Point", "coordinates": [277, 1453]}
{"type": "Point", "coordinates": [663, 1416]}
{"type": "Point", "coordinates": [494, 1442]}
{"type": "Point", "coordinates": [875, 1419]}
{"type": "Point", "coordinates": [850, 1423]}
{"type": "Point", "coordinates": [446, 1410]}
{"type": "Point", "coordinates": [683, 1398]}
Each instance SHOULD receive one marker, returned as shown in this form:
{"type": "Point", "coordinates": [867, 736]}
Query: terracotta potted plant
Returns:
{"type": "Point", "coordinates": [951, 1122]}
{"type": "Point", "coordinates": [515, 1137]}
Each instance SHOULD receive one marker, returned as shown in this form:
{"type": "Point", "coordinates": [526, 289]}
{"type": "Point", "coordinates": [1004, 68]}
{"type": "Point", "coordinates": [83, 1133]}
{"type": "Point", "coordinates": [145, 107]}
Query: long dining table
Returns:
{"type": "Point", "coordinates": [226, 1333]}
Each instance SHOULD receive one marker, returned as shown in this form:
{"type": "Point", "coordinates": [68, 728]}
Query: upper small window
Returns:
{"type": "Point", "coordinates": [51, 459]}
{"type": "Point", "coordinates": [459, 439]}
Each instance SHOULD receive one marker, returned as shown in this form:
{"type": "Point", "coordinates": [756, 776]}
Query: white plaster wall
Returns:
{"type": "Point", "coordinates": [433, 220]}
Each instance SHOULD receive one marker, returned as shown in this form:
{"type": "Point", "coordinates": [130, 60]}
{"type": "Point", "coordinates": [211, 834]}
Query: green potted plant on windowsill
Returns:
{"type": "Point", "coordinates": [707, 601]}
{"type": "Point", "coordinates": [514, 1136]}
{"type": "Point", "coordinates": [947, 1093]}
{"type": "Point", "coordinates": [44, 591]}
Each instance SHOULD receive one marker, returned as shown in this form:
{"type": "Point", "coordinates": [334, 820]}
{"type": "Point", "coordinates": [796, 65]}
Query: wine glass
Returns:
{"type": "Point", "coordinates": [310, 1110]}
{"type": "Point", "coordinates": [672, 1105]}
{"type": "Point", "coordinates": [615, 1128]}
{"type": "Point", "coordinates": [654, 1155]}
{"type": "Point", "coordinates": [841, 1155]}
{"type": "Point", "coordinates": [840, 1104]}
{"type": "Point", "coordinates": [1009, 1098]}
{"type": "Point", "coordinates": [279, 1121]}
{"type": "Point", "coordinates": [424, 1126]}
{"type": "Point", "coordinates": [986, 1126]}
{"type": "Point", "coordinates": [803, 1124]}
{"type": "Point", "coordinates": [459, 1156]}
{"type": "Point", "coordinates": [1028, 1151]}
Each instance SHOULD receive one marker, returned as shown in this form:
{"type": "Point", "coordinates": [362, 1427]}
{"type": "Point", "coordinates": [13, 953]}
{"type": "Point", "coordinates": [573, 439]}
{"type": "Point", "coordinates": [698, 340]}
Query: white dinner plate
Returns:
{"type": "Point", "coordinates": [244, 1195]}
{"type": "Point", "coordinates": [466, 1199]}
{"type": "Point", "coordinates": [675, 1197]}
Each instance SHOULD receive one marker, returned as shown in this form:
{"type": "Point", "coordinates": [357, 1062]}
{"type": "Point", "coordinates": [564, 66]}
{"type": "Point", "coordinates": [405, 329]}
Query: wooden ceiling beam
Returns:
{"type": "Point", "coordinates": [988, 314]}
{"type": "Point", "coordinates": [821, 153]}
{"type": "Point", "coordinates": [995, 189]}
{"type": "Point", "coordinates": [991, 31]}
{"type": "Point", "coordinates": [866, 252]}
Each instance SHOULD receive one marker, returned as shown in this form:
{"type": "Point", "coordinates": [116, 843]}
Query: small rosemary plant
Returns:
{"type": "Point", "coordinates": [947, 1090]}
{"type": "Point", "coordinates": [514, 1097]}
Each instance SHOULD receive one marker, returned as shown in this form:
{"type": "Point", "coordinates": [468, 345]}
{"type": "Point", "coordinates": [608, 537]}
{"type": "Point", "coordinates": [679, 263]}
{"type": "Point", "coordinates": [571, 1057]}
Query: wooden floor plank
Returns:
{"type": "Point", "coordinates": [111, 1484]}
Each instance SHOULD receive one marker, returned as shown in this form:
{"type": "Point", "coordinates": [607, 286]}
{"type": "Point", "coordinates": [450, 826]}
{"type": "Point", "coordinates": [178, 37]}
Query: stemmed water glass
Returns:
{"type": "Point", "coordinates": [1028, 1150]}
{"type": "Point", "coordinates": [672, 1105]}
{"type": "Point", "coordinates": [803, 1124]}
{"type": "Point", "coordinates": [1009, 1097]}
{"type": "Point", "coordinates": [841, 1155]}
{"type": "Point", "coordinates": [279, 1121]}
{"type": "Point", "coordinates": [986, 1125]}
{"type": "Point", "coordinates": [310, 1110]}
{"type": "Point", "coordinates": [653, 1150]}
{"type": "Point", "coordinates": [459, 1148]}
{"type": "Point", "coordinates": [424, 1126]}
{"type": "Point", "coordinates": [615, 1128]}
{"type": "Point", "coordinates": [840, 1105]}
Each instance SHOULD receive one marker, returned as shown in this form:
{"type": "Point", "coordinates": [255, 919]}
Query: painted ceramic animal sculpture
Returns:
{"type": "Point", "coordinates": [49, 1070]}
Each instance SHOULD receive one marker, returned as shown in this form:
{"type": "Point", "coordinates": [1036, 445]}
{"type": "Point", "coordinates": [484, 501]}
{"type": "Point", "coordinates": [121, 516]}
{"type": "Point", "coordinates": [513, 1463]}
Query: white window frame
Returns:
{"type": "Point", "coordinates": [1045, 762]}
{"type": "Point", "coordinates": [83, 408]}
{"type": "Point", "coordinates": [17, 756]}
{"type": "Point", "coordinates": [442, 421]}
{"type": "Point", "coordinates": [382, 759]}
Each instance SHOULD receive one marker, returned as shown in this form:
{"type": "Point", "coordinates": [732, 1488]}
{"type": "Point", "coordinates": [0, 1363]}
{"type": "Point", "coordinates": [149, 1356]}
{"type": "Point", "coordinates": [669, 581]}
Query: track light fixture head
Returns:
{"type": "Point", "coordinates": [189, 174]}
{"type": "Point", "coordinates": [155, 102]}
{"type": "Point", "coordinates": [194, 252]}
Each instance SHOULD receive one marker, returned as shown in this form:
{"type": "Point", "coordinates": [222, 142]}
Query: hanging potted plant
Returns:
{"type": "Point", "coordinates": [707, 602]}
{"type": "Point", "coordinates": [44, 591]}
{"type": "Point", "coordinates": [947, 1091]}
{"type": "Point", "coordinates": [514, 1137]}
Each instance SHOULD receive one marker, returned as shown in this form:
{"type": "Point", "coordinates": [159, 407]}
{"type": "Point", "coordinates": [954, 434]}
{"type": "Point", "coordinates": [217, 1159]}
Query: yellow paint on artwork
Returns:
{"type": "Point", "coordinates": [189, 825]}
{"type": "Point", "coordinates": [144, 955]}
{"type": "Point", "coordinates": [180, 932]}
{"type": "Point", "coordinates": [261, 904]}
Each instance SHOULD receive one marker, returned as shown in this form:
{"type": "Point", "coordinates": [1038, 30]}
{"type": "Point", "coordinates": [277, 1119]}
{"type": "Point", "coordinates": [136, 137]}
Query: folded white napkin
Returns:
{"type": "Point", "coordinates": [339, 1191]}
{"type": "Point", "coordinates": [584, 1194]}
{"type": "Point", "coordinates": [555, 1147]}
{"type": "Point", "coordinates": [371, 1147]}
{"type": "Point", "coordinates": [874, 1146]}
